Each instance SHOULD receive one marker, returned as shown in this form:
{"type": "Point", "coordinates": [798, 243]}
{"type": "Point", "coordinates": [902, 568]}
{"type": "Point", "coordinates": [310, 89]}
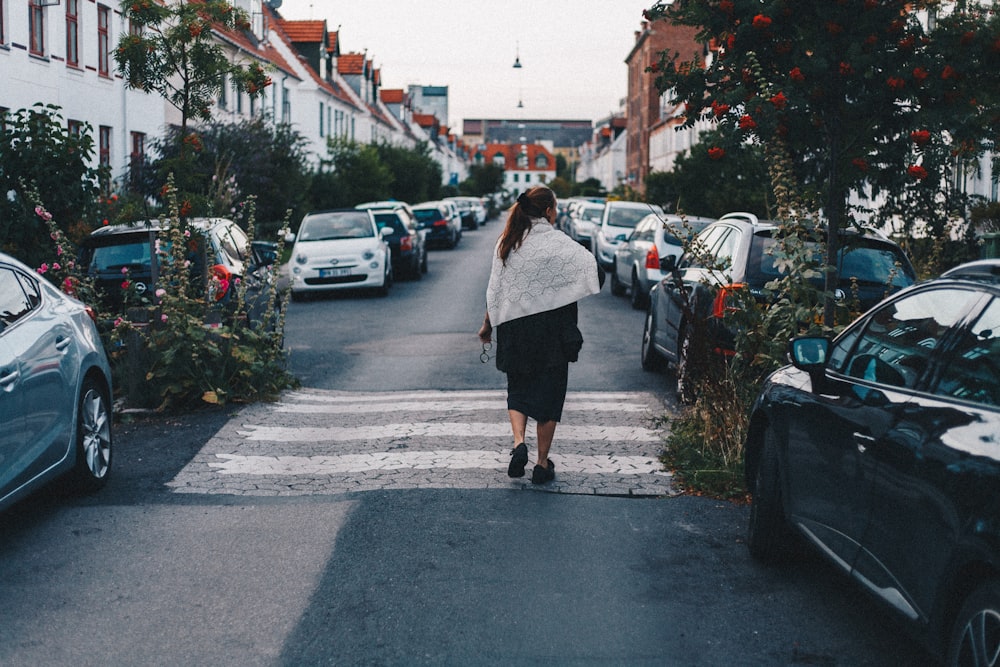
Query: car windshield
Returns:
{"type": "Point", "coordinates": [620, 216]}
{"type": "Point", "coordinates": [866, 262]}
{"type": "Point", "coordinates": [340, 225]}
{"type": "Point", "coordinates": [592, 214]}
{"type": "Point", "coordinates": [134, 256]}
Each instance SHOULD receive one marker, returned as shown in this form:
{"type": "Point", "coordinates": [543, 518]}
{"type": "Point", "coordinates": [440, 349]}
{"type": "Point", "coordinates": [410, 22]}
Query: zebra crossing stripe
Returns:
{"type": "Point", "coordinates": [389, 405]}
{"type": "Point", "coordinates": [565, 433]}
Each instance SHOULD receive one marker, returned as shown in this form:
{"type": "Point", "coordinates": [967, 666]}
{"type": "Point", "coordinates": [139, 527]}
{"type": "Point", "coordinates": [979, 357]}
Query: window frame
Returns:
{"type": "Point", "coordinates": [36, 28]}
{"type": "Point", "coordinates": [103, 41]}
{"type": "Point", "coordinates": [73, 33]}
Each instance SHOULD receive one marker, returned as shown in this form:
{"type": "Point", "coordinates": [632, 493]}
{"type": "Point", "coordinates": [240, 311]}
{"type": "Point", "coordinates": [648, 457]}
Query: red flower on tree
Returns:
{"type": "Point", "coordinates": [716, 153]}
{"type": "Point", "coordinates": [917, 172]}
{"type": "Point", "coordinates": [860, 163]}
{"type": "Point", "coordinates": [919, 73]}
{"type": "Point", "coordinates": [920, 137]}
{"type": "Point", "coordinates": [761, 22]}
{"type": "Point", "coordinates": [747, 122]}
{"type": "Point", "coordinates": [948, 72]}
{"type": "Point", "coordinates": [719, 109]}
{"type": "Point", "coordinates": [796, 75]}
{"type": "Point", "coordinates": [846, 69]}
{"type": "Point", "coordinates": [726, 6]}
{"type": "Point", "coordinates": [895, 83]}
{"type": "Point", "coordinates": [779, 101]}
{"type": "Point", "coordinates": [967, 38]}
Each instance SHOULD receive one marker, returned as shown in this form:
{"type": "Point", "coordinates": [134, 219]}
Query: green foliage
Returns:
{"type": "Point", "coordinates": [738, 183]}
{"type": "Point", "coordinates": [561, 187]}
{"type": "Point", "coordinates": [176, 55]}
{"type": "Point", "coordinates": [589, 188]}
{"type": "Point", "coordinates": [484, 179]}
{"type": "Point", "coordinates": [41, 160]}
{"type": "Point", "coordinates": [227, 162]}
{"type": "Point", "coordinates": [416, 177]}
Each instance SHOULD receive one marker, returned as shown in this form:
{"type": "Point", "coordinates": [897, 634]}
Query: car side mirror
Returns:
{"type": "Point", "coordinates": [668, 264]}
{"type": "Point", "coordinates": [290, 237]}
{"type": "Point", "coordinates": [809, 352]}
{"type": "Point", "coordinates": [386, 231]}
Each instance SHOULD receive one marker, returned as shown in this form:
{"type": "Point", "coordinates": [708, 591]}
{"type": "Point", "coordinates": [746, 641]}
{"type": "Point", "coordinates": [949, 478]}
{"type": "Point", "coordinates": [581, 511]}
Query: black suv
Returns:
{"type": "Point", "coordinates": [869, 266]}
{"type": "Point", "coordinates": [407, 243]}
{"type": "Point", "coordinates": [218, 248]}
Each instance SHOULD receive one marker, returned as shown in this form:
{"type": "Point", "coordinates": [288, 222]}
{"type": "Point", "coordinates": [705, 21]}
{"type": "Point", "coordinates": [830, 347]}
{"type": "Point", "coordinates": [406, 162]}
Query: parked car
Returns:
{"type": "Point", "coordinates": [386, 204]}
{"type": "Point", "coordinates": [637, 259]}
{"type": "Point", "coordinates": [735, 252]}
{"type": "Point", "coordinates": [583, 219]}
{"type": "Point", "coordinates": [55, 388]}
{"type": "Point", "coordinates": [618, 220]}
{"type": "Point", "coordinates": [471, 210]}
{"type": "Point", "coordinates": [882, 448]}
{"type": "Point", "coordinates": [444, 228]}
{"type": "Point", "coordinates": [407, 243]}
{"type": "Point", "coordinates": [218, 248]}
{"type": "Point", "coordinates": [340, 249]}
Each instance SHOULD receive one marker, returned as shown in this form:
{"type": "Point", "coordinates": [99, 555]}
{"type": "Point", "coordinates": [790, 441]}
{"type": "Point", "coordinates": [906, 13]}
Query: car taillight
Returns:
{"type": "Point", "coordinates": [406, 243]}
{"type": "Point", "coordinates": [441, 223]}
{"type": "Point", "coordinates": [222, 279]}
{"type": "Point", "coordinates": [653, 259]}
{"type": "Point", "coordinates": [725, 300]}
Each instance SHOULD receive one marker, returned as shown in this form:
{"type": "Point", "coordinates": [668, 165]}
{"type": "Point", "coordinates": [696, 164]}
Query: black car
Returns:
{"type": "Point", "coordinates": [882, 448]}
{"type": "Point", "coordinates": [220, 253]}
{"type": "Point", "coordinates": [407, 243]}
{"type": "Point", "coordinates": [695, 286]}
{"type": "Point", "coordinates": [443, 229]}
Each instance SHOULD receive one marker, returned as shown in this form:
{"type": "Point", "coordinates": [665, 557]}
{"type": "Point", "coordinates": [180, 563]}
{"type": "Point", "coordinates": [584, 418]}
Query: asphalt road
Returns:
{"type": "Point", "coordinates": [142, 574]}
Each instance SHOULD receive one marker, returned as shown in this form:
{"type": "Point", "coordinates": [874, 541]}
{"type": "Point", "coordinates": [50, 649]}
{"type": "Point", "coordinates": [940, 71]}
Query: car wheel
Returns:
{"type": "Point", "coordinates": [651, 360]}
{"type": "Point", "coordinates": [768, 533]}
{"type": "Point", "coordinates": [975, 637]}
{"type": "Point", "coordinates": [637, 298]}
{"type": "Point", "coordinates": [93, 439]}
{"type": "Point", "coordinates": [682, 371]}
{"type": "Point", "coordinates": [423, 262]}
{"type": "Point", "coordinates": [617, 287]}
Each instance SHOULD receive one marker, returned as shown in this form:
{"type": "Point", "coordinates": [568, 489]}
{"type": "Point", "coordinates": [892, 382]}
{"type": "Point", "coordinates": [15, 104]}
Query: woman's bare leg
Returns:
{"type": "Point", "coordinates": [518, 424]}
{"type": "Point", "coordinates": [546, 432]}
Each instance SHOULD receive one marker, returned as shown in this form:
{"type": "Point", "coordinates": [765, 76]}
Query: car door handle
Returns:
{"type": "Point", "coordinates": [863, 441]}
{"type": "Point", "coordinates": [62, 342]}
{"type": "Point", "coordinates": [10, 378]}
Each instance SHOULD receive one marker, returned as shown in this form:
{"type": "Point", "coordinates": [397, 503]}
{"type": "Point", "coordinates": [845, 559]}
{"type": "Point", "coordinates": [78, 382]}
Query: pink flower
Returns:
{"type": "Point", "coordinates": [118, 322]}
{"type": "Point", "coordinates": [160, 292]}
{"type": "Point", "coordinates": [42, 213]}
{"type": "Point", "coordinates": [43, 268]}
{"type": "Point", "coordinates": [55, 266]}
{"type": "Point", "coordinates": [124, 270]}
{"type": "Point", "coordinates": [163, 317]}
{"type": "Point", "coordinates": [125, 284]}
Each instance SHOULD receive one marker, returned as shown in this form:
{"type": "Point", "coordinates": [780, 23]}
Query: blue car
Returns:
{"type": "Point", "coordinates": [55, 388]}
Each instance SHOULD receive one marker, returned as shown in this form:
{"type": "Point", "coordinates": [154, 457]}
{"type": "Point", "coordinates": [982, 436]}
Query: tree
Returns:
{"type": "Point", "coordinates": [43, 160]}
{"type": "Point", "coordinates": [855, 90]}
{"type": "Point", "coordinates": [484, 179]}
{"type": "Point", "coordinates": [703, 186]}
{"type": "Point", "coordinates": [176, 54]}
{"type": "Point", "coordinates": [416, 177]}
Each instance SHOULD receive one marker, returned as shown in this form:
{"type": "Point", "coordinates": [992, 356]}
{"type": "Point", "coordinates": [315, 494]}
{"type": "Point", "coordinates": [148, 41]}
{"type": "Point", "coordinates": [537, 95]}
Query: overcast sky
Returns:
{"type": "Point", "coordinates": [572, 51]}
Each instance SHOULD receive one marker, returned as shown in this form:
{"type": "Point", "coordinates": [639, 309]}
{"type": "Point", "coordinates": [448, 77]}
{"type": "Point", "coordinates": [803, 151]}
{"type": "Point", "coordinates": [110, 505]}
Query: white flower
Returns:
{"type": "Point", "coordinates": [12, 195]}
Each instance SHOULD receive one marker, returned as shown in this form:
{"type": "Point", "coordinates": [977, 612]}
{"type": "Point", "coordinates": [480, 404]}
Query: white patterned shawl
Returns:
{"type": "Point", "coordinates": [548, 271]}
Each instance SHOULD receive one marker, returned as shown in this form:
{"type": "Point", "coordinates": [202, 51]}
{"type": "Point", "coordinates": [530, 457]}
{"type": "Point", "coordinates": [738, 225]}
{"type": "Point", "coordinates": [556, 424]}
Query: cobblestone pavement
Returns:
{"type": "Point", "coordinates": [330, 442]}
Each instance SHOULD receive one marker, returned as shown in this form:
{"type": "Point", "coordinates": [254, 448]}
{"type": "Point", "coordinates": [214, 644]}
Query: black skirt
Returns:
{"type": "Point", "coordinates": [530, 350]}
{"type": "Point", "coordinates": [540, 394]}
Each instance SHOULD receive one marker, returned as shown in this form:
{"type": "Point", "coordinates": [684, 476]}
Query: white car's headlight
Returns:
{"type": "Point", "coordinates": [301, 258]}
{"type": "Point", "coordinates": [368, 254]}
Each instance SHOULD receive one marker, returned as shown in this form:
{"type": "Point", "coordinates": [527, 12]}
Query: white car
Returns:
{"type": "Point", "coordinates": [584, 221]}
{"type": "Point", "coordinates": [340, 249]}
{"type": "Point", "coordinates": [637, 260]}
{"type": "Point", "coordinates": [617, 222]}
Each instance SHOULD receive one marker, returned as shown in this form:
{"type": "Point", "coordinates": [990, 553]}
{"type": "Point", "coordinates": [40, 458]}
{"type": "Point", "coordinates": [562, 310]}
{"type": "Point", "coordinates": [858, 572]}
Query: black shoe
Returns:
{"type": "Point", "coordinates": [540, 475]}
{"type": "Point", "coordinates": [518, 459]}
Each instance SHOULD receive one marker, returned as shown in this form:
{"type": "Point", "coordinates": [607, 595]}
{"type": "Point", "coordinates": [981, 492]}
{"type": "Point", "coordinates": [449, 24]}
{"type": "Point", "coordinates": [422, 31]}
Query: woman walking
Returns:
{"type": "Point", "coordinates": [537, 276]}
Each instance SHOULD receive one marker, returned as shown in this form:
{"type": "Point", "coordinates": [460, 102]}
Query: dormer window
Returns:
{"type": "Point", "coordinates": [541, 162]}
{"type": "Point", "coordinates": [498, 160]}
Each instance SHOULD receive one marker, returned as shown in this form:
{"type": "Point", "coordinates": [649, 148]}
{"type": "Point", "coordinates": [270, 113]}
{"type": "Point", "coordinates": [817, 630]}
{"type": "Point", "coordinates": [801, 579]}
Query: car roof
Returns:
{"type": "Point", "coordinates": [154, 225]}
{"type": "Point", "coordinates": [982, 270]}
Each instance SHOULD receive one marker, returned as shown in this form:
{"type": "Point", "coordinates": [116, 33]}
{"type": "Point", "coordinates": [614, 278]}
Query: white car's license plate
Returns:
{"type": "Point", "coordinates": [333, 273]}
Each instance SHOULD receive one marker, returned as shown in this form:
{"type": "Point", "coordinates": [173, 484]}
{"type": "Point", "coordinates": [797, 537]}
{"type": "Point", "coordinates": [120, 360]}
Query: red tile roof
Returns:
{"type": "Point", "coordinates": [311, 32]}
{"type": "Point", "coordinates": [351, 63]}
{"type": "Point", "coordinates": [425, 119]}
{"type": "Point", "coordinates": [392, 95]}
{"type": "Point", "coordinates": [511, 151]}
{"type": "Point", "coordinates": [332, 42]}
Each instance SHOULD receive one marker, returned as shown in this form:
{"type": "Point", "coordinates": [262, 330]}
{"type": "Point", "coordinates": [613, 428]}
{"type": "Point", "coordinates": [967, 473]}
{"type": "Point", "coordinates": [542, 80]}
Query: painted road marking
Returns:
{"type": "Point", "coordinates": [319, 435]}
{"type": "Point", "coordinates": [452, 460]}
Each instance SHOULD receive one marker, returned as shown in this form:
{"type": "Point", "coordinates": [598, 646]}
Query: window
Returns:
{"type": "Point", "coordinates": [498, 159]}
{"type": "Point", "coordinates": [973, 373]}
{"type": "Point", "coordinates": [75, 128]}
{"type": "Point", "coordinates": [541, 162]}
{"type": "Point", "coordinates": [137, 157]}
{"type": "Point", "coordinates": [36, 26]}
{"type": "Point", "coordinates": [15, 301]}
{"type": "Point", "coordinates": [527, 178]}
{"type": "Point", "coordinates": [322, 117]}
{"type": "Point", "coordinates": [103, 40]}
{"type": "Point", "coordinates": [104, 146]}
{"type": "Point", "coordinates": [3, 26]}
{"type": "Point", "coordinates": [72, 32]}
{"type": "Point", "coordinates": [899, 339]}
{"type": "Point", "coordinates": [223, 100]}
{"type": "Point", "coordinates": [286, 106]}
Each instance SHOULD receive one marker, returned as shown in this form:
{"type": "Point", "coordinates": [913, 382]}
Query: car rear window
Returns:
{"type": "Point", "coordinates": [113, 258]}
{"type": "Point", "coordinates": [390, 220]}
{"type": "Point", "coordinates": [866, 261]}
{"type": "Point", "coordinates": [427, 214]}
{"type": "Point", "coordinates": [626, 217]}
